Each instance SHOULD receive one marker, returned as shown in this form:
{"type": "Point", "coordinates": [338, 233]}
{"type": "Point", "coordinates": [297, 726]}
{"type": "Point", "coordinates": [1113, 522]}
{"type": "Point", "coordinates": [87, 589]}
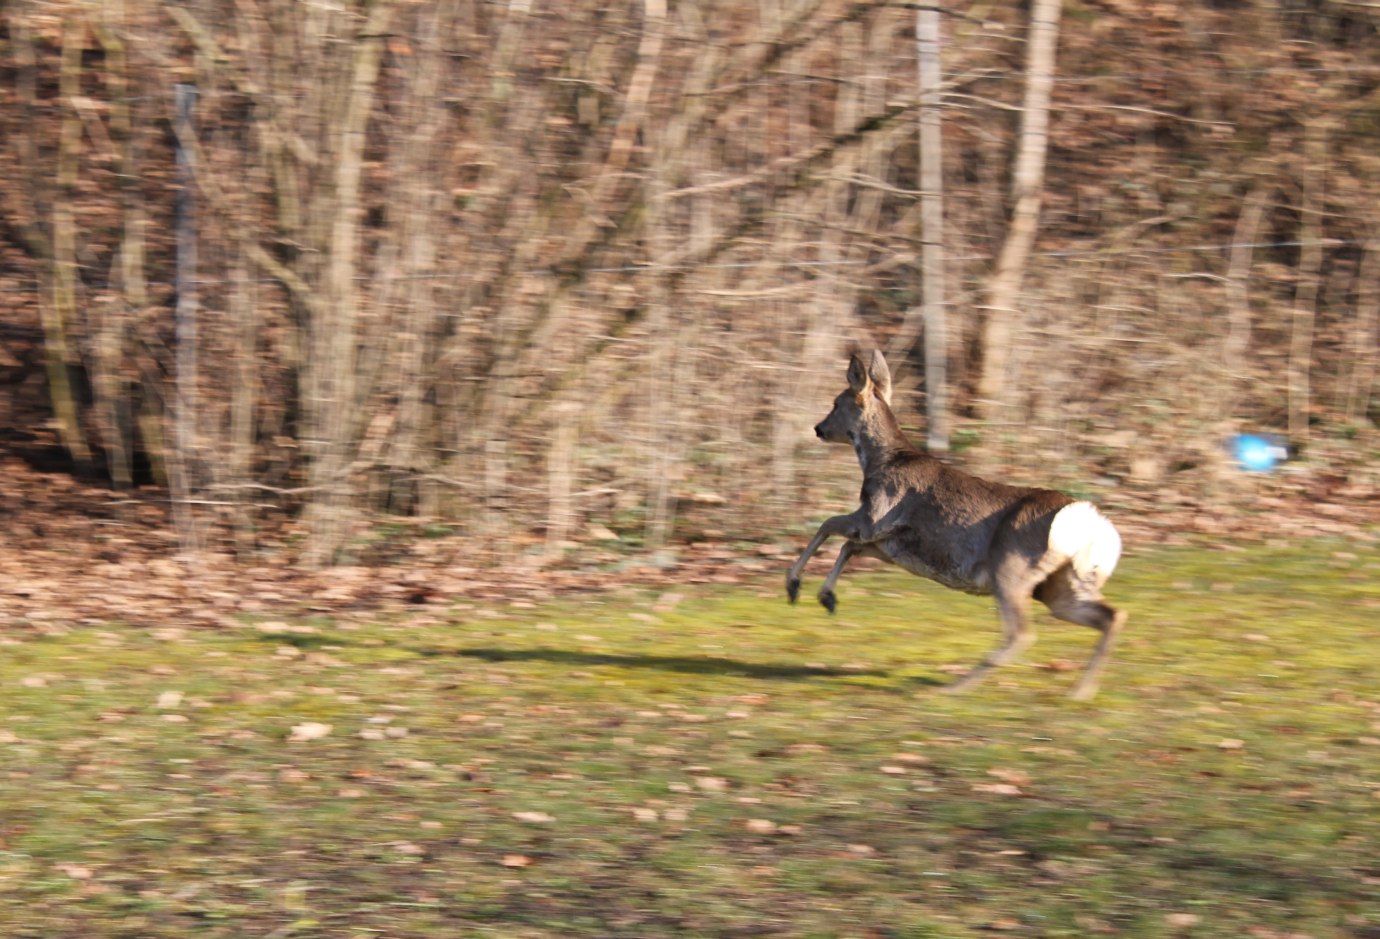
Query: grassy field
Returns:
{"type": "Point", "coordinates": [712, 762]}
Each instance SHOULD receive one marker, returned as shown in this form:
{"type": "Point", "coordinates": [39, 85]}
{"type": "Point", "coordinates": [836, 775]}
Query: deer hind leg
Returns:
{"type": "Point", "coordinates": [1078, 601]}
{"type": "Point", "coordinates": [1013, 605]}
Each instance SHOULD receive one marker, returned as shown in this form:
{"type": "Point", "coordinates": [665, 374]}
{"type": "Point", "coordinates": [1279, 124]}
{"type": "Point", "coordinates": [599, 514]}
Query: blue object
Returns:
{"type": "Point", "coordinates": [1257, 453]}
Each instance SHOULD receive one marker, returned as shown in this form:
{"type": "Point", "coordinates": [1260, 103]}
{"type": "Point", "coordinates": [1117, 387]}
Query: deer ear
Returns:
{"type": "Point", "coordinates": [857, 374]}
{"type": "Point", "coordinates": [880, 375]}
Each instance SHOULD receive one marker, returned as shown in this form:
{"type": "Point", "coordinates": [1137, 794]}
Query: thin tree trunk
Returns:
{"type": "Point", "coordinates": [561, 469]}
{"type": "Point", "coordinates": [243, 313]}
{"type": "Point", "coordinates": [111, 405]}
{"type": "Point", "coordinates": [1238, 338]}
{"type": "Point", "coordinates": [1027, 185]}
{"type": "Point", "coordinates": [928, 51]}
{"type": "Point", "coordinates": [509, 122]}
{"type": "Point", "coordinates": [112, 393]}
{"type": "Point", "coordinates": [185, 448]}
{"type": "Point", "coordinates": [417, 191]}
{"type": "Point", "coordinates": [663, 391]}
{"type": "Point", "coordinates": [60, 310]}
{"type": "Point", "coordinates": [1306, 292]}
{"type": "Point", "coordinates": [335, 360]}
{"type": "Point", "coordinates": [1360, 386]}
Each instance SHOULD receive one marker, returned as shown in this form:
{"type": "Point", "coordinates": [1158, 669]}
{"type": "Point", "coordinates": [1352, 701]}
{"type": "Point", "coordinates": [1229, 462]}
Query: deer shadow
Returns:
{"type": "Point", "coordinates": [683, 664]}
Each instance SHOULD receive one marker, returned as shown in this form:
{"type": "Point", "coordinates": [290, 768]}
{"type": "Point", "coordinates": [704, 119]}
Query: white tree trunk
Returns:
{"type": "Point", "coordinates": [1027, 187]}
{"type": "Point", "coordinates": [927, 49]}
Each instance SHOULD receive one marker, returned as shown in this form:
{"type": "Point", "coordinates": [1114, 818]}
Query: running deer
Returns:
{"type": "Point", "coordinates": [967, 533]}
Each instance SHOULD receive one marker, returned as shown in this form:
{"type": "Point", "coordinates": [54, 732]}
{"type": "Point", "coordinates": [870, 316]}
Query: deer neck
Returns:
{"type": "Point", "coordinates": [879, 438]}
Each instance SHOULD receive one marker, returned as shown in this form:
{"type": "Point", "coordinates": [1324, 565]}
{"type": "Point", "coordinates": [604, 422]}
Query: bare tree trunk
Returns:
{"type": "Point", "coordinates": [662, 400]}
{"type": "Point", "coordinates": [334, 359]}
{"type": "Point", "coordinates": [561, 469]}
{"type": "Point", "coordinates": [60, 310]}
{"type": "Point", "coordinates": [111, 391]}
{"type": "Point", "coordinates": [928, 38]}
{"type": "Point", "coordinates": [1027, 187]}
{"type": "Point", "coordinates": [1238, 337]}
{"type": "Point", "coordinates": [1306, 291]}
{"type": "Point", "coordinates": [1360, 386]}
{"type": "Point", "coordinates": [244, 398]}
{"type": "Point", "coordinates": [508, 121]}
{"type": "Point", "coordinates": [185, 449]}
{"type": "Point", "coordinates": [417, 180]}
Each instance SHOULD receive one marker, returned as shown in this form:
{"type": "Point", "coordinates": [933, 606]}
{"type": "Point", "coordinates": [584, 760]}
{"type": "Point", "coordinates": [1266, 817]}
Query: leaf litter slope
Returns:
{"type": "Point", "coordinates": [711, 762]}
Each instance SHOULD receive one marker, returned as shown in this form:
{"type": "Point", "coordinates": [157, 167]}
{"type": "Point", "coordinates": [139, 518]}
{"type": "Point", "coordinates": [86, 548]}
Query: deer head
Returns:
{"type": "Point", "coordinates": [869, 389]}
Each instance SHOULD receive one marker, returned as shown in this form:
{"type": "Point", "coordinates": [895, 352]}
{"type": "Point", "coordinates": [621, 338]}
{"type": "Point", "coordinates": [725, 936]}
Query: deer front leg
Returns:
{"type": "Point", "coordinates": [849, 550]}
{"type": "Point", "coordinates": [845, 525]}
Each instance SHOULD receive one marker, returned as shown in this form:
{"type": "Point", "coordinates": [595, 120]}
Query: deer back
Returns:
{"type": "Point", "coordinates": [953, 527]}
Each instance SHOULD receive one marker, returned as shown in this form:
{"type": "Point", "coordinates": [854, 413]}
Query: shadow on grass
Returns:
{"type": "Point", "coordinates": [687, 664]}
{"type": "Point", "coordinates": [684, 664]}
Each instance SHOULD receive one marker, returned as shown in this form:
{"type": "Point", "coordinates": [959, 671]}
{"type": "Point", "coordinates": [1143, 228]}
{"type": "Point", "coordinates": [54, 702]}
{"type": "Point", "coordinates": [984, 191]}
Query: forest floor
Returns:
{"type": "Point", "coordinates": [424, 750]}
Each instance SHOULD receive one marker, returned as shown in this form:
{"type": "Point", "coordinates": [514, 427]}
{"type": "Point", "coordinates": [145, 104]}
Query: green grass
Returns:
{"type": "Point", "coordinates": [712, 762]}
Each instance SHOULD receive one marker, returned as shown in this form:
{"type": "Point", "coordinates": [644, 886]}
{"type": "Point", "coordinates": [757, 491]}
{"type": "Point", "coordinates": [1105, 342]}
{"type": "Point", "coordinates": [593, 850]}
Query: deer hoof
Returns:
{"type": "Point", "coordinates": [829, 601]}
{"type": "Point", "coordinates": [793, 588]}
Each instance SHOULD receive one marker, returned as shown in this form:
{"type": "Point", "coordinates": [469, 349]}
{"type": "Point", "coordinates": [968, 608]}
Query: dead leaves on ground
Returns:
{"type": "Point", "coordinates": [77, 554]}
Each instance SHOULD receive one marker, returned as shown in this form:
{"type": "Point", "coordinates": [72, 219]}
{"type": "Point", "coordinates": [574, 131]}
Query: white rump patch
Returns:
{"type": "Point", "coordinates": [1087, 538]}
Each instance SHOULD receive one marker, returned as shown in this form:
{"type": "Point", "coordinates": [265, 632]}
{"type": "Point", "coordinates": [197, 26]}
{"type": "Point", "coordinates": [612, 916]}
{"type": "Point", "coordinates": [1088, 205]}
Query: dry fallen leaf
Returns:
{"type": "Point", "coordinates": [1013, 776]}
{"type": "Point", "coordinates": [1231, 744]}
{"type": "Point", "coordinates": [535, 818]}
{"type": "Point", "coordinates": [999, 789]}
{"type": "Point", "coordinates": [516, 860]}
{"type": "Point", "coordinates": [760, 826]}
{"type": "Point", "coordinates": [309, 730]}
